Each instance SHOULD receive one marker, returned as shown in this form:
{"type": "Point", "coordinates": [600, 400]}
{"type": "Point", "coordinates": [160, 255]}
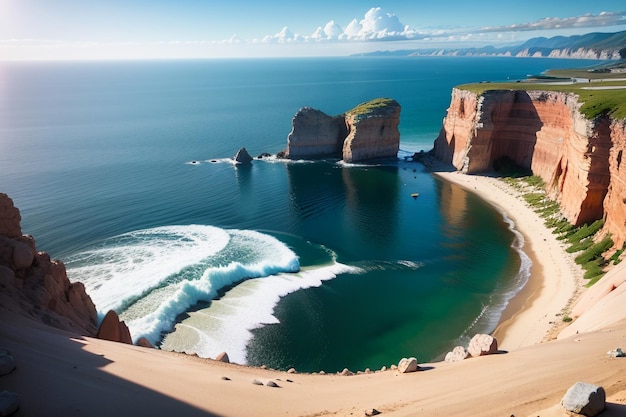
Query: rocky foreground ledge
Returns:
{"type": "Point", "coordinates": [368, 131]}
{"type": "Point", "coordinates": [36, 286]}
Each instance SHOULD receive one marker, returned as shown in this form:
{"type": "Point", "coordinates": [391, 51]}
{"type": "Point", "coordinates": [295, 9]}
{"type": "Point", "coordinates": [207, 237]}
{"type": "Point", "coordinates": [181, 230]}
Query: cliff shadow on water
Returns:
{"type": "Point", "coordinates": [358, 203]}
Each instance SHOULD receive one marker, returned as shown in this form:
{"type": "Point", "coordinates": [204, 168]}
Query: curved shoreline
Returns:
{"type": "Point", "coordinates": [59, 373]}
{"type": "Point", "coordinates": [535, 313]}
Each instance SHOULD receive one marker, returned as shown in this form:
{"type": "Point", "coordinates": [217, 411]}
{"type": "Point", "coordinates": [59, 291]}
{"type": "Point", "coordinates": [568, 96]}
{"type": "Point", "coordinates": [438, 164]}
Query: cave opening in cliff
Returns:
{"type": "Point", "coordinates": [507, 167]}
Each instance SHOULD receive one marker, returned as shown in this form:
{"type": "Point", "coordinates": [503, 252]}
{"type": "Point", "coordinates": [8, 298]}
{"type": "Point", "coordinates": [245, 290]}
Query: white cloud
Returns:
{"type": "Point", "coordinates": [379, 26]}
{"type": "Point", "coordinates": [360, 35]}
{"type": "Point", "coordinates": [332, 30]}
{"type": "Point", "coordinates": [587, 20]}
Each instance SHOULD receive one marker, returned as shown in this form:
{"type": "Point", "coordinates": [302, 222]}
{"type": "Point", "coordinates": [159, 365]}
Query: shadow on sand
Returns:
{"type": "Point", "coordinates": [56, 376]}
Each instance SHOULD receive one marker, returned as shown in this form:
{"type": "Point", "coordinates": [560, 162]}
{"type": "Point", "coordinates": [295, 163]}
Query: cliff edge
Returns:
{"type": "Point", "coordinates": [580, 160]}
{"type": "Point", "coordinates": [368, 131]}
{"type": "Point", "coordinates": [34, 285]}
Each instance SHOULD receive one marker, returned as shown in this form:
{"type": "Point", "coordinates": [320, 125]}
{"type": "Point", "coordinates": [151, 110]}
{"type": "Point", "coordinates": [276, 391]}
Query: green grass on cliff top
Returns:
{"type": "Point", "coordinates": [595, 103]}
{"type": "Point", "coordinates": [373, 105]}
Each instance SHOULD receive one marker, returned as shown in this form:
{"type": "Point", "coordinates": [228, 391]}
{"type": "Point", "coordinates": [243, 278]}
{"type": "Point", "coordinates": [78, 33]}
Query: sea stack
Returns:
{"type": "Point", "coordinates": [368, 131]}
{"type": "Point", "coordinates": [373, 131]}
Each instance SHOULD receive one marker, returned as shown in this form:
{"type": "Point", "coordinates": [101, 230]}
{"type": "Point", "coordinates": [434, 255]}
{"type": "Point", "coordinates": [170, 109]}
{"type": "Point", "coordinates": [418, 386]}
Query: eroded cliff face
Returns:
{"type": "Point", "coordinates": [369, 131]}
{"type": "Point", "coordinates": [578, 159]}
{"type": "Point", "coordinates": [615, 200]}
{"type": "Point", "coordinates": [33, 284]}
{"type": "Point", "coordinates": [315, 134]}
{"type": "Point", "coordinates": [373, 134]}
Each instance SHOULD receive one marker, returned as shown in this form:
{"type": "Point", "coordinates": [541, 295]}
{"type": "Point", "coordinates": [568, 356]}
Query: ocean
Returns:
{"type": "Point", "coordinates": [124, 171]}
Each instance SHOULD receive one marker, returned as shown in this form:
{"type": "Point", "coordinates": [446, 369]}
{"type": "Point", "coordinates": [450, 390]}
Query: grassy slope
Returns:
{"type": "Point", "coordinates": [372, 105]}
{"type": "Point", "coordinates": [595, 102]}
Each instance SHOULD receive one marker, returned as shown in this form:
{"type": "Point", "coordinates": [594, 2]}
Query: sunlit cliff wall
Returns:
{"type": "Point", "coordinates": [578, 159]}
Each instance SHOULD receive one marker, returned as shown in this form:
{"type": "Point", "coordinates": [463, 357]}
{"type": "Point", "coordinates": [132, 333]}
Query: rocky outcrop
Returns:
{"type": "Point", "coordinates": [111, 328]}
{"type": "Point", "coordinates": [34, 284]}
{"type": "Point", "coordinates": [578, 159]}
{"type": "Point", "coordinates": [373, 131]}
{"type": "Point", "coordinates": [242, 156]}
{"type": "Point", "coordinates": [369, 131]}
{"type": "Point", "coordinates": [315, 134]}
{"type": "Point", "coordinates": [615, 200]}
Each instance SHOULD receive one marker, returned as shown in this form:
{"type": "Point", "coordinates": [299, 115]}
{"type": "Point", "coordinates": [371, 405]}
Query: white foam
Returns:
{"type": "Point", "coordinates": [130, 265]}
{"type": "Point", "coordinates": [410, 264]}
{"type": "Point", "coordinates": [227, 324]}
{"type": "Point", "coordinates": [356, 165]}
{"type": "Point", "coordinates": [149, 277]}
{"type": "Point", "coordinates": [229, 161]}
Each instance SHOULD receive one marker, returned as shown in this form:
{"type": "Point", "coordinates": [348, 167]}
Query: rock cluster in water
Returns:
{"type": "Point", "coordinates": [368, 131]}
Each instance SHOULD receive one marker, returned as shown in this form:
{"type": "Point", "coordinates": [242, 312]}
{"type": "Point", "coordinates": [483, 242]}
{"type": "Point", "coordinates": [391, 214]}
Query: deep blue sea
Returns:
{"type": "Point", "coordinates": [123, 170]}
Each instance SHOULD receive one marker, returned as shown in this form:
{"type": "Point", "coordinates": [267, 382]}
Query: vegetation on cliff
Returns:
{"type": "Point", "coordinates": [598, 98]}
{"type": "Point", "coordinates": [593, 254]}
{"type": "Point", "coordinates": [375, 106]}
{"type": "Point", "coordinates": [601, 89]}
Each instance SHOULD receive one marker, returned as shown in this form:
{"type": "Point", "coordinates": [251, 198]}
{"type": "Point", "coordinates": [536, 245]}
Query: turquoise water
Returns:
{"type": "Point", "coordinates": [121, 169]}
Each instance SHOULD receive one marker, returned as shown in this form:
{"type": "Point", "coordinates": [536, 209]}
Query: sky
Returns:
{"type": "Point", "coordinates": [159, 29]}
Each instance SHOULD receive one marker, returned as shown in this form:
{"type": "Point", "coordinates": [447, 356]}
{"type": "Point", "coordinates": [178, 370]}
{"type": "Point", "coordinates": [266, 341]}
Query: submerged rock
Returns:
{"type": "Point", "coordinates": [7, 363]}
{"type": "Point", "coordinates": [9, 403]}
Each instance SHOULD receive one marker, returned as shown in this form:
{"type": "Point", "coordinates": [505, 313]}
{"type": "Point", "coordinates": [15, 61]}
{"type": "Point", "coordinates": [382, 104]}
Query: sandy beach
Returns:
{"type": "Point", "coordinates": [535, 314]}
{"type": "Point", "coordinates": [61, 374]}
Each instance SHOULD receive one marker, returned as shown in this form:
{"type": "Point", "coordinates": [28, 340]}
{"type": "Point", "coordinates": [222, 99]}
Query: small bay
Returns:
{"type": "Point", "coordinates": [122, 169]}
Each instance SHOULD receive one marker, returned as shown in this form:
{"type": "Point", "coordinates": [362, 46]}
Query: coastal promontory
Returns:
{"type": "Point", "coordinates": [368, 131]}
{"type": "Point", "coordinates": [576, 148]}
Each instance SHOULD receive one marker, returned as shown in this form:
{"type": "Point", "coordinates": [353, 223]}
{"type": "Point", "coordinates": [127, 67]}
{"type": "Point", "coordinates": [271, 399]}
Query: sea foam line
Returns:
{"type": "Point", "coordinates": [491, 313]}
{"type": "Point", "coordinates": [128, 266]}
{"type": "Point", "coordinates": [227, 324]}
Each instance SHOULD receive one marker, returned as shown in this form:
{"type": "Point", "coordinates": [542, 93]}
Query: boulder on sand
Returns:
{"type": "Point", "coordinates": [223, 357]}
{"type": "Point", "coordinates": [482, 344]}
{"type": "Point", "coordinates": [407, 365]}
{"type": "Point", "coordinates": [586, 399]}
{"type": "Point", "coordinates": [457, 355]}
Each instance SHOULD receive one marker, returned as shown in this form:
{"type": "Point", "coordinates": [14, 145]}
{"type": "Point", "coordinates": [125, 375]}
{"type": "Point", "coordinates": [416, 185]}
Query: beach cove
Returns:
{"type": "Point", "coordinates": [532, 317]}
{"type": "Point", "coordinates": [527, 380]}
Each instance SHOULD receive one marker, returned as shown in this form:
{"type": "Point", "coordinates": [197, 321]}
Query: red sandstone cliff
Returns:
{"type": "Point", "coordinates": [580, 160]}
{"type": "Point", "coordinates": [35, 285]}
{"type": "Point", "coordinates": [369, 131]}
{"type": "Point", "coordinates": [315, 134]}
{"type": "Point", "coordinates": [372, 133]}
